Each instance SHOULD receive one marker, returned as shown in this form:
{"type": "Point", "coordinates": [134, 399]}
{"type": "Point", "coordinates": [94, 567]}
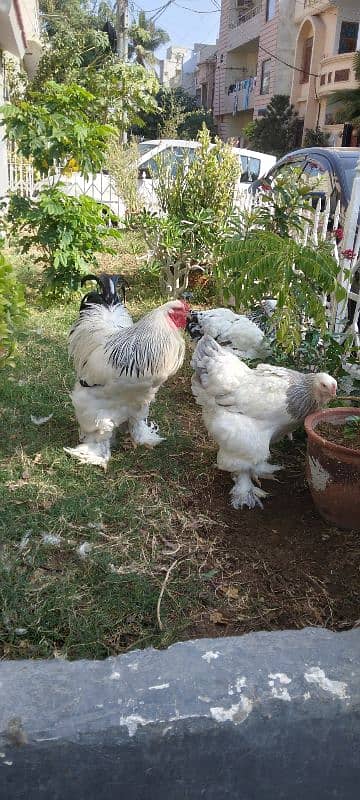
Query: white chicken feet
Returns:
{"type": "Point", "coordinates": [265, 470]}
{"type": "Point", "coordinates": [244, 493]}
{"type": "Point", "coordinates": [95, 447]}
{"type": "Point", "coordinates": [144, 432]}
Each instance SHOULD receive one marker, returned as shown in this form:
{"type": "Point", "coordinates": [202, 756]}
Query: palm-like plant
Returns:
{"type": "Point", "coordinates": [144, 39]}
{"type": "Point", "coordinates": [350, 98]}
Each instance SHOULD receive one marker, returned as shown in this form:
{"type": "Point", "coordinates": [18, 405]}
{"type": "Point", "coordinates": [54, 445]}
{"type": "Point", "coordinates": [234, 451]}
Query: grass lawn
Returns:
{"type": "Point", "coordinates": [93, 564]}
{"type": "Point", "coordinates": [54, 600]}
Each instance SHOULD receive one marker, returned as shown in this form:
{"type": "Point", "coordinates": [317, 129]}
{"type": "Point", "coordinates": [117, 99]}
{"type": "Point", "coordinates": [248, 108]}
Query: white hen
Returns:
{"type": "Point", "coordinates": [245, 410]}
{"type": "Point", "coordinates": [236, 332]}
{"type": "Point", "coordinates": [120, 366]}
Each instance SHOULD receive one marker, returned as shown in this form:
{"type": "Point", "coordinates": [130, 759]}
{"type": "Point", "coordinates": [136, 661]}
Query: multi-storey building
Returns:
{"type": "Point", "coordinates": [255, 55]}
{"type": "Point", "coordinates": [328, 34]}
{"type": "Point", "coordinates": [171, 67]}
{"type": "Point", "coordinates": [20, 43]}
{"type": "Point", "coordinates": [205, 76]}
{"type": "Point", "coordinates": [193, 70]}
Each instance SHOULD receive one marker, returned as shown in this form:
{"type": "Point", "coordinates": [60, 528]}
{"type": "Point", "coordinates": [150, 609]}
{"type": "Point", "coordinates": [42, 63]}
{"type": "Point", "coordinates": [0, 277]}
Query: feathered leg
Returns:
{"type": "Point", "coordinates": [244, 493]}
{"type": "Point", "coordinates": [96, 427]}
{"type": "Point", "coordinates": [95, 447]}
{"type": "Point", "coordinates": [265, 470]}
{"type": "Point", "coordinates": [144, 432]}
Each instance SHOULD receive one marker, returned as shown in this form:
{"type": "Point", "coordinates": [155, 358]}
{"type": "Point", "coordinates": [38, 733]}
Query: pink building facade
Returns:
{"type": "Point", "coordinates": [255, 53]}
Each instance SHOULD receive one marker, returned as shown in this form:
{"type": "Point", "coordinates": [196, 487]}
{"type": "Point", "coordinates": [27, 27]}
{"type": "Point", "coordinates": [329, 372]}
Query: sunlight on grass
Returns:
{"type": "Point", "coordinates": [54, 601]}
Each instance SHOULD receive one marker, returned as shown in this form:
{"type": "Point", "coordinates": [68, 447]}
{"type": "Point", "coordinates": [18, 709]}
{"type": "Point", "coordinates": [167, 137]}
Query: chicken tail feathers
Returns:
{"type": "Point", "coordinates": [107, 290]}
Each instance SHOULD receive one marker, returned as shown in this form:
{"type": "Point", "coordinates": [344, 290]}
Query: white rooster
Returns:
{"type": "Point", "coordinates": [244, 335]}
{"type": "Point", "coordinates": [245, 410]}
{"type": "Point", "coordinates": [120, 366]}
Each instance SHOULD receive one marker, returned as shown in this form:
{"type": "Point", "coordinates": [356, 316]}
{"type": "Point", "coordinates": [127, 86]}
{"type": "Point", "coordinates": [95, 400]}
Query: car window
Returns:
{"type": "Point", "coordinates": [144, 147]}
{"type": "Point", "coordinates": [254, 168]}
{"type": "Point", "coordinates": [169, 157]}
{"type": "Point", "coordinates": [250, 168]}
{"type": "Point", "coordinates": [318, 175]}
{"type": "Point", "coordinates": [286, 169]}
{"type": "Point", "coordinates": [348, 165]}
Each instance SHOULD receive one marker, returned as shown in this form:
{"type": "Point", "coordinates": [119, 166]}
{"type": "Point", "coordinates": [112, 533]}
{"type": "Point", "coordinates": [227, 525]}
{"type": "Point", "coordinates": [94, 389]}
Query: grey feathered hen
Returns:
{"type": "Point", "coordinates": [246, 410]}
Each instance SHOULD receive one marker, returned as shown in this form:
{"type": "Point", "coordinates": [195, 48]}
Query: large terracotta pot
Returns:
{"type": "Point", "coordinates": [333, 471]}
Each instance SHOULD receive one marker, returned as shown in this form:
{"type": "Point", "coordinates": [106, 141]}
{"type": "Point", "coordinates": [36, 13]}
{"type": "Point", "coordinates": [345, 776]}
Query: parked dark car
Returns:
{"type": "Point", "coordinates": [332, 167]}
{"type": "Point", "coordinates": [334, 170]}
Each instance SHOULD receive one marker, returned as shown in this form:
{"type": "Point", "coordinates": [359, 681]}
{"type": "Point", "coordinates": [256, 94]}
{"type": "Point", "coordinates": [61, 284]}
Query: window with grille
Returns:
{"type": "Point", "coordinates": [265, 76]}
{"type": "Point", "coordinates": [306, 60]}
{"type": "Point", "coordinates": [341, 75]}
{"type": "Point", "coordinates": [348, 37]}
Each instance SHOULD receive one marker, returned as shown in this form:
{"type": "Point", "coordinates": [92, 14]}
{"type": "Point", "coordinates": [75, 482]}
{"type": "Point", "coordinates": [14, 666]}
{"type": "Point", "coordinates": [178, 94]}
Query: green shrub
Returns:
{"type": "Point", "coordinates": [122, 163]}
{"type": "Point", "coordinates": [55, 127]}
{"type": "Point", "coordinates": [267, 258]}
{"type": "Point", "coordinates": [68, 232]}
{"type": "Point", "coordinates": [12, 308]}
{"type": "Point", "coordinates": [196, 200]}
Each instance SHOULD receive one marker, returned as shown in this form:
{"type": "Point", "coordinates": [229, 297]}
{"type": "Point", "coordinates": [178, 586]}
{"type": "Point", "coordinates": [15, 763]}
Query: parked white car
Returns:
{"type": "Point", "coordinates": [173, 150]}
{"type": "Point", "coordinates": [102, 187]}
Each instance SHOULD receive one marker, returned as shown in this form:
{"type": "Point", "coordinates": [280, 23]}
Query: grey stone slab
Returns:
{"type": "Point", "coordinates": [260, 717]}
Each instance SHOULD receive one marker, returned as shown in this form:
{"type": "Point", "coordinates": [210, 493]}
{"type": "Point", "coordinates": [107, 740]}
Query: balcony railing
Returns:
{"type": "Point", "coordinates": [314, 3]}
{"type": "Point", "coordinates": [237, 17]}
{"type": "Point", "coordinates": [304, 7]}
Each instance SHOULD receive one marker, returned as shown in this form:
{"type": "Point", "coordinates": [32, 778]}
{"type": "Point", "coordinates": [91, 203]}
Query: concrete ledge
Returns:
{"type": "Point", "coordinates": [268, 716]}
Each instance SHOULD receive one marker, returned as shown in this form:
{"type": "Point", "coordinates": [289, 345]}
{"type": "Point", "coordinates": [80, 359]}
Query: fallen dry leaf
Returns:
{"type": "Point", "coordinates": [232, 592]}
{"type": "Point", "coordinates": [217, 618]}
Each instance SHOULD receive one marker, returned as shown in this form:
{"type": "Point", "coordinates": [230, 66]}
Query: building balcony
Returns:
{"type": "Point", "coordinates": [336, 74]}
{"type": "Point", "coordinates": [19, 25]}
{"type": "Point", "coordinates": [305, 8]}
{"type": "Point", "coordinates": [241, 99]}
{"type": "Point", "coordinates": [243, 28]}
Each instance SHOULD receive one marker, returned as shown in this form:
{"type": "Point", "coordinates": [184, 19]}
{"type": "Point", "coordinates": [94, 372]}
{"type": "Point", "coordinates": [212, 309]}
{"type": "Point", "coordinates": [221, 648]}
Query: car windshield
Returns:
{"type": "Point", "coordinates": [348, 164]}
{"type": "Point", "coordinates": [144, 147]}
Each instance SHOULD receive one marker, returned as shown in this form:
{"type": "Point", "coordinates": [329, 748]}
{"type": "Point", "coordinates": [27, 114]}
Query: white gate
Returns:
{"type": "Point", "coordinates": [20, 172]}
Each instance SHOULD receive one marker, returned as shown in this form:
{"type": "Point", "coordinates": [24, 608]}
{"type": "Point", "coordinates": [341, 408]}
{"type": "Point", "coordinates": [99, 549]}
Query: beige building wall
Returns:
{"type": "Point", "coordinates": [321, 21]}
{"type": "Point", "coordinates": [205, 76]}
{"type": "Point", "coordinates": [248, 44]}
{"type": "Point", "coordinates": [19, 39]}
{"type": "Point", "coordinates": [170, 68]}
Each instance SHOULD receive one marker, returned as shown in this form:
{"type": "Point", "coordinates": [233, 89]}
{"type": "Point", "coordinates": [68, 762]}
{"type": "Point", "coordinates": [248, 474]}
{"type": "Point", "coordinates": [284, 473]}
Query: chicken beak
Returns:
{"type": "Point", "coordinates": [333, 390]}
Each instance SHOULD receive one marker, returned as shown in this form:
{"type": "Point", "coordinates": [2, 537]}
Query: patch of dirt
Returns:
{"type": "Point", "coordinates": [280, 567]}
{"type": "Point", "coordinates": [347, 435]}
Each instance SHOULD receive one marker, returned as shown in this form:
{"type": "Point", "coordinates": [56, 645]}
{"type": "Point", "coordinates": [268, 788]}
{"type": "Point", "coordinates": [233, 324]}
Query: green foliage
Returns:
{"type": "Point", "coordinates": [192, 123]}
{"type": "Point", "coordinates": [122, 163]}
{"type": "Point", "coordinates": [285, 206]}
{"type": "Point", "coordinates": [144, 38]}
{"type": "Point", "coordinates": [56, 126]}
{"type": "Point", "coordinates": [69, 232]}
{"type": "Point", "coordinates": [349, 98]}
{"type": "Point", "coordinates": [196, 202]}
{"type": "Point", "coordinates": [124, 93]}
{"type": "Point", "coordinates": [172, 108]}
{"type": "Point", "coordinates": [265, 259]}
{"type": "Point", "coordinates": [320, 351]}
{"type": "Point", "coordinates": [206, 182]}
{"type": "Point", "coordinates": [264, 264]}
{"type": "Point", "coordinates": [278, 131]}
{"type": "Point", "coordinates": [315, 137]}
{"type": "Point", "coordinates": [12, 308]}
{"type": "Point", "coordinates": [74, 40]}
{"type": "Point", "coordinates": [79, 51]}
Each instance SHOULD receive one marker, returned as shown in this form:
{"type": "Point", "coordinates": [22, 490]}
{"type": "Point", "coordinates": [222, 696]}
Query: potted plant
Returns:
{"type": "Point", "coordinates": [333, 464]}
